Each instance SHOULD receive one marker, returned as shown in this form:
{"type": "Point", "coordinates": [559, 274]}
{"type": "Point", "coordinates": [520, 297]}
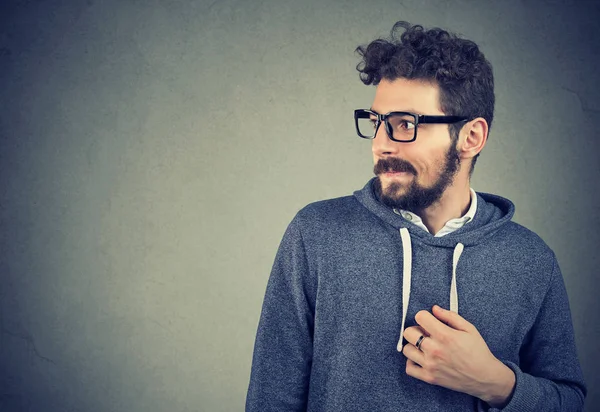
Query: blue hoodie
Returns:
{"type": "Point", "coordinates": [350, 275]}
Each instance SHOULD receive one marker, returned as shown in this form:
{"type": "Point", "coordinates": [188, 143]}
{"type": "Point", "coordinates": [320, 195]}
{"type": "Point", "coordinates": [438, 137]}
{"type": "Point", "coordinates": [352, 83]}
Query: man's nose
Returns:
{"type": "Point", "coordinates": [382, 144]}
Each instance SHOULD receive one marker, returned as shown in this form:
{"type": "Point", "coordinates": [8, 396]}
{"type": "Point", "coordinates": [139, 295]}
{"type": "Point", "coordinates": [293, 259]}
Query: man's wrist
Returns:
{"type": "Point", "coordinates": [500, 389]}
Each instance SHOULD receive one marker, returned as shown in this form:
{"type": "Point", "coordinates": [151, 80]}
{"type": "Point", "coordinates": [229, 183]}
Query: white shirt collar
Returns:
{"type": "Point", "coordinates": [451, 225]}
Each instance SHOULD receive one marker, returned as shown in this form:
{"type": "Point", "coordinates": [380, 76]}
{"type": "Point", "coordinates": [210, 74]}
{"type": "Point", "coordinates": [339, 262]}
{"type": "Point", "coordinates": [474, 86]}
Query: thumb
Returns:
{"type": "Point", "coordinates": [452, 319]}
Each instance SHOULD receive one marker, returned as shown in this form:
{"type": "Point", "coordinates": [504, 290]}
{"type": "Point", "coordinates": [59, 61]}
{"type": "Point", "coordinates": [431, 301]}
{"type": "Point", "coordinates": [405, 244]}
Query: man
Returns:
{"type": "Point", "coordinates": [417, 293]}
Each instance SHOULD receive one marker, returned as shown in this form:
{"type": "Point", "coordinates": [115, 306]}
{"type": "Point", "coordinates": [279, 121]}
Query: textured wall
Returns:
{"type": "Point", "coordinates": [152, 154]}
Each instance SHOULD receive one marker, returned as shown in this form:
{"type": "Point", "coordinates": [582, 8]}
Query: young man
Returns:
{"type": "Point", "coordinates": [417, 293]}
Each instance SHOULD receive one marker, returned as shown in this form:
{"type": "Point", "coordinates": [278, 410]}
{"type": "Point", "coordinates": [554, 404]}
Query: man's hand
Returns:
{"type": "Point", "coordinates": [454, 355]}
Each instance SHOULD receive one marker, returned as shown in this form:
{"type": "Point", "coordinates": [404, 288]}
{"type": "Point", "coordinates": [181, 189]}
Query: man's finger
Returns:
{"type": "Point", "coordinates": [414, 370]}
{"type": "Point", "coordinates": [452, 319]}
{"type": "Point", "coordinates": [413, 334]}
{"type": "Point", "coordinates": [430, 323]}
{"type": "Point", "coordinates": [413, 354]}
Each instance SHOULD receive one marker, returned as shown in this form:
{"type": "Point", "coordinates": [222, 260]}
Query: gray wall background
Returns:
{"type": "Point", "coordinates": [152, 154]}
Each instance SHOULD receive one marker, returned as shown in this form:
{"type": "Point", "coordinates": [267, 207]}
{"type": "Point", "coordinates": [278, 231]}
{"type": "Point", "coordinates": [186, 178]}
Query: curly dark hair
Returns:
{"type": "Point", "coordinates": [456, 65]}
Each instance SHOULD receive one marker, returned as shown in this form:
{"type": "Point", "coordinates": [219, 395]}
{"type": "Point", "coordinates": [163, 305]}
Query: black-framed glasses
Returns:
{"type": "Point", "coordinates": [400, 126]}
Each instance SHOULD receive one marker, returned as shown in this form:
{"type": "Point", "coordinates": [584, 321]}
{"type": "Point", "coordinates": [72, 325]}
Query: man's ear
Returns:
{"type": "Point", "coordinates": [472, 138]}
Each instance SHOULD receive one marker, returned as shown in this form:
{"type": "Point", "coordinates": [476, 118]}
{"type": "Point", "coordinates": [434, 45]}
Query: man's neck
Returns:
{"type": "Point", "coordinates": [453, 204]}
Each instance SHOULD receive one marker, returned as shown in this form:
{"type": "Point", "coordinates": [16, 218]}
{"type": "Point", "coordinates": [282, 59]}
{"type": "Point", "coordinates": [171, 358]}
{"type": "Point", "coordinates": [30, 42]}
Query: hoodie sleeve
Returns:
{"type": "Point", "coordinates": [549, 377]}
{"type": "Point", "coordinates": [282, 358]}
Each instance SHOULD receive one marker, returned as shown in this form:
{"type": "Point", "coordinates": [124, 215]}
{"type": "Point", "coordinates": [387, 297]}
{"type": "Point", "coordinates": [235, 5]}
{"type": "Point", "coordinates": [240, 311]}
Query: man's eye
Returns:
{"type": "Point", "coordinates": [407, 125]}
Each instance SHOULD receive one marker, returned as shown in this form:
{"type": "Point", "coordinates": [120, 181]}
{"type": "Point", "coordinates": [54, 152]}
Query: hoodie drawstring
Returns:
{"type": "Point", "coordinates": [453, 291]}
{"type": "Point", "coordinates": [406, 279]}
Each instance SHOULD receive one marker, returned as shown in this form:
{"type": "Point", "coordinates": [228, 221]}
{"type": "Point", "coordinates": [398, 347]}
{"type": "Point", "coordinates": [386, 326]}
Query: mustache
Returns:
{"type": "Point", "coordinates": [392, 164]}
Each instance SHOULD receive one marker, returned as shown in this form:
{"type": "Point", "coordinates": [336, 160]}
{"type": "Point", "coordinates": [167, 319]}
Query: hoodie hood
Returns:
{"type": "Point", "coordinates": [493, 212]}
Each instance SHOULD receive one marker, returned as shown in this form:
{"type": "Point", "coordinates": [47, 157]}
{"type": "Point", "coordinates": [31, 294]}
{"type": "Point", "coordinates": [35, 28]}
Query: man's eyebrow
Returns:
{"type": "Point", "coordinates": [404, 111]}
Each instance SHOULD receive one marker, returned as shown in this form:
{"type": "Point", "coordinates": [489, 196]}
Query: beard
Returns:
{"type": "Point", "coordinates": [416, 197]}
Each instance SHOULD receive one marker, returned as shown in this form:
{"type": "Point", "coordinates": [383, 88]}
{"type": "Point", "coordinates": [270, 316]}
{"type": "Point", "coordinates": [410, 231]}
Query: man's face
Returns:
{"type": "Point", "coordinates": [413, 176]}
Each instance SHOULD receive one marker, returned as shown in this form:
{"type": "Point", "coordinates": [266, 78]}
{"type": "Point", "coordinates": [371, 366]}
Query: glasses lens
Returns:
{"type": "Point", "coordinates": [403, 126]}
{"type": "Point", "coordinates": [366, 125]}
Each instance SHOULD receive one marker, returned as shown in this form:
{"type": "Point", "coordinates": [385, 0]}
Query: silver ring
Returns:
{"type": "Point", "coordinates": [419, 342]}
